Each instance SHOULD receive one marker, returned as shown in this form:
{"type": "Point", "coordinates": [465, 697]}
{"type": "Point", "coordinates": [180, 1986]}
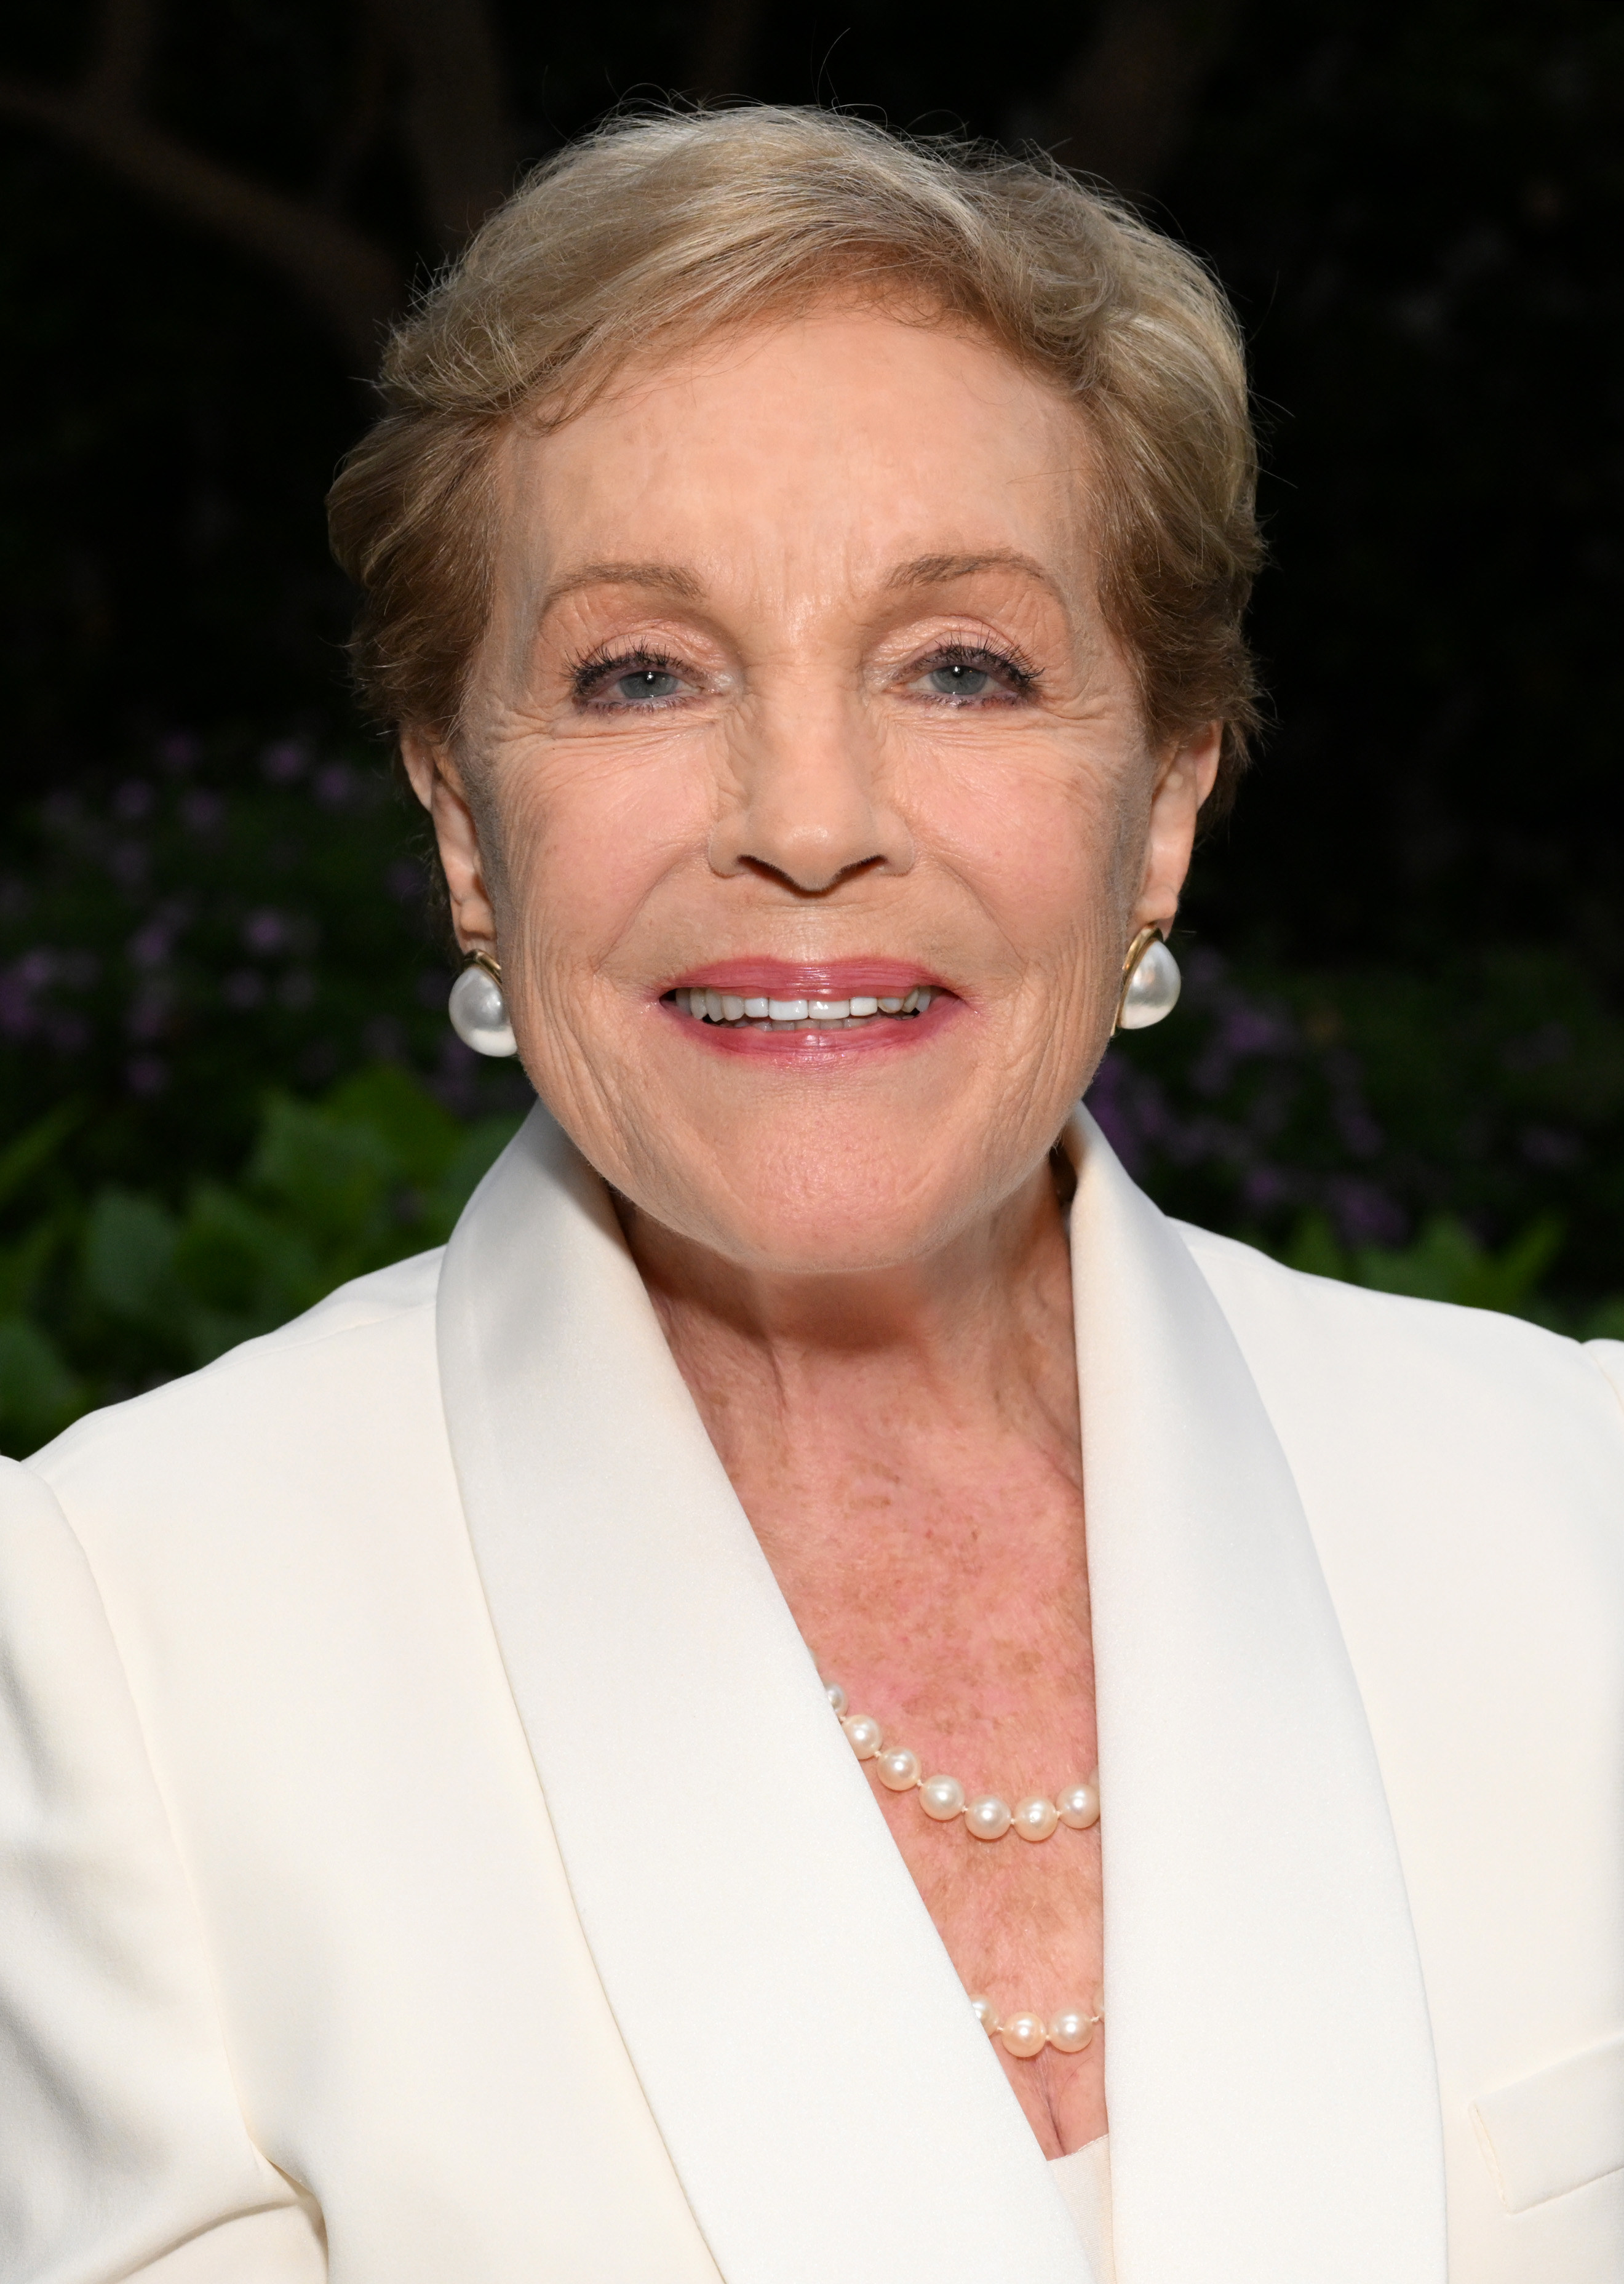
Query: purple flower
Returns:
{"type": "Point", "coordinates": [335, 785]}
{"type": "Point", "coordinates": [1363, 1214]}
{"type": "Point", "coordinates": [1266, 1186]}
{"type": "Point", "coordinates": [1246, 1030]}
{"type": "Point", "coordinates": [287, 759]}
{"type": "Point", "coordinates": [18, 1017]}
{"type": "Point", "coordinates": [265, 931]}
{"type": "Point", "coordinates": [201, 812]}
{"type": "Point", "coordinates": [132, 801]}
{"type": "Point", "coordinates": [149, 946]}
{"type": "Point", "coordinates": [1358, 1132]}
{"type": "Point", "coordinates": [148, 1013]}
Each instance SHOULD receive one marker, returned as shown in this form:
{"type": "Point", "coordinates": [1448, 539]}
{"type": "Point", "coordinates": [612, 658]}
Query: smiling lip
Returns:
{"type": "Point", "coordinates": [786, 979]}
{"type": "Point", "coordinates": [803, 1007]}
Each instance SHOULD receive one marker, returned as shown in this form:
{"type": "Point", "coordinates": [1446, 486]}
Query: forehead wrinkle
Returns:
{"type": "Point", "coordinates": [672, 579]}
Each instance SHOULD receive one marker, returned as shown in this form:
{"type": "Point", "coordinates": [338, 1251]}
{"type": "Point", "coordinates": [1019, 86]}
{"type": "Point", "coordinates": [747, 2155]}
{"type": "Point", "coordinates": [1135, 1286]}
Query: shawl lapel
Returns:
{"type": "Point", "coordinates": [1269, 2076]}
{"type": "Point", "coordinates": [812, 2064]}
{"type": "Point", "coordinates": [1273, 2114]}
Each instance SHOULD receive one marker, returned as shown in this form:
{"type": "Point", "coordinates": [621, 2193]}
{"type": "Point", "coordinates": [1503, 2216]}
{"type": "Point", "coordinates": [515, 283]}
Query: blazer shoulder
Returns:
{"type": "Point", "coordinates": [367, 1335]}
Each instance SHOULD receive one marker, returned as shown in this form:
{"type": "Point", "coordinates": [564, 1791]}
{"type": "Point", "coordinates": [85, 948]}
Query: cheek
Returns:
{"type": "Point", "coordinates": [1045, 844]}
{"type": "Point", "coordinates": [587, 838]}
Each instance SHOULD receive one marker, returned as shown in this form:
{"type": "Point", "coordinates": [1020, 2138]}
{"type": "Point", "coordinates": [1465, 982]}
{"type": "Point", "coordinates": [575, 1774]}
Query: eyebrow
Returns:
{"type": "Point", "coordinates": [667, 578]}
{"type": "Point", "coordinates": [942, 570]}
{"type": "Point", "coordinates": [684, 586]}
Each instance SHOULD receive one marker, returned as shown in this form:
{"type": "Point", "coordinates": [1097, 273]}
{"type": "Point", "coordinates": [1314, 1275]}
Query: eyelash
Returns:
{"type": "Point", "coordinates": [590, 674]}
{"type": "Point", "coordinates": [982, 658]}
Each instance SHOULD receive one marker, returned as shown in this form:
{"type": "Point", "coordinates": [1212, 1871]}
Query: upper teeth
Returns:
{"type": "Point", "coordinates": [732, 1007]}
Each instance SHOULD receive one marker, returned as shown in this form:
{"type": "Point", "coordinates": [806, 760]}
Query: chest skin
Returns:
{"type": "Point", "coordinates": [942, 1581]}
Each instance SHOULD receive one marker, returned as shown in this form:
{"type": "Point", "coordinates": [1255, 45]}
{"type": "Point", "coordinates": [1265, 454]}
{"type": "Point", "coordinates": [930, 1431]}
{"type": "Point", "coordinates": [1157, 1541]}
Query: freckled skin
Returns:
{"type": "Point", "coordinates": [795, 654]}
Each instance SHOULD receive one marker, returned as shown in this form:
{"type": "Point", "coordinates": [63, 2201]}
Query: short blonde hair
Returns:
{"type": "Point", "coordinates": [655, 231]}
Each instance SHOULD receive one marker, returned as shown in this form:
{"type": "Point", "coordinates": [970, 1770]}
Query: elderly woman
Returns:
{"type": "Point", "coordinates": [805, 573]}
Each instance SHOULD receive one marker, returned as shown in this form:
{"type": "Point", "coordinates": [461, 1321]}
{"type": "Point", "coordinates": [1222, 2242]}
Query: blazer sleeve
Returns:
{"type": "Point", "coordinates": [123, 2151]}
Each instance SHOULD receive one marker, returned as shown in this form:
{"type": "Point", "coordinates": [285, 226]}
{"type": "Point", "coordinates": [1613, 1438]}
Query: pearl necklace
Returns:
{"type": "Point", "coordinates": [1023, 2034]}
{"type": "Point", "coordinates": [942, 1798]}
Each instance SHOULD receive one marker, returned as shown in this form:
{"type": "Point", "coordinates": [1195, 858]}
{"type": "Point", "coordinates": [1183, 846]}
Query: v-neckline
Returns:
{"type": "Point", "coordinates": [828, 2103]}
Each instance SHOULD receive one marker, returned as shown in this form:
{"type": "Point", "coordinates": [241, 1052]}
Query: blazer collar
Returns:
{"type": "Point", "coordinates": [828, 2102]}
{"type": "Point", "coordinates": [1270, 2078]}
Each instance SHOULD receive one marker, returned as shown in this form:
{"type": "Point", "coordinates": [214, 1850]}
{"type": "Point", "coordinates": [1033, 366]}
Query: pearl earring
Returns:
{"type": "Point", "coordinates": [1151, 982]}
{"type": "Point", "coordinates": [478, 1009]}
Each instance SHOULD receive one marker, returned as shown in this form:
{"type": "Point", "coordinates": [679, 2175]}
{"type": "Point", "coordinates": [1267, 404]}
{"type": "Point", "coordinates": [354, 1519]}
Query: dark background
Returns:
{"type": "Point", "coordinates": [1406, 951]}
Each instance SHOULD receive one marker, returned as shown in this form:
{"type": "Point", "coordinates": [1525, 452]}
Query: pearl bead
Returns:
{"type": "Point", "coordinates": [865, 1735]}
{"type": "Point", "coordinates": [837, 1697]}
{"type": "Point", "coordinates": [1078, 1805]}
{"type": "Point", "coordinates": [1071, 2031]}
{"type": "Point", "coordinates": [942, 1797]}
{"type": "Point", "coordinates": [1036, 1818]}
{"type": "Point", "coordinates": [986, 2014]}
{"type": "Point", "coordinates": [988, 1818]}
{"type": "Point", "coordinates": [479, 1014]}
{"type": "Point", "coordinates": [1151, 990]}
{"type": "Point", "coordinates": [898, 1770]}
{"type": "Point", "coordinates": [1023, 2036]}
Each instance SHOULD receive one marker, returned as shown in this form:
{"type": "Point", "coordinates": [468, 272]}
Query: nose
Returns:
{"type": "Point", "coordinates": [807, 804]}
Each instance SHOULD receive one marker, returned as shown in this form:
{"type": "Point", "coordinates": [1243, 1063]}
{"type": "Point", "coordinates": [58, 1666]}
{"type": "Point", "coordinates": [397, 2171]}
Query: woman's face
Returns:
{"type": "Point", "coordinates": [797, 690]}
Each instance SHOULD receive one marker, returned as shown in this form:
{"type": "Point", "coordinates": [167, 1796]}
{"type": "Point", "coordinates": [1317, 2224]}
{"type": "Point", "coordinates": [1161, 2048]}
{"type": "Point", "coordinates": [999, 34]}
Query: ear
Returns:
{"type": "Point", "coordinates": [438, 783]}
{"type": "Point", "coordinates": [1182, 783]}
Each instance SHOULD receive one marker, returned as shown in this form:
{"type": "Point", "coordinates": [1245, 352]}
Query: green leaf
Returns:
{"type": "Point", "coordinates": [39, 1394]}
{"type": "Point", "coordinates": [334, 1179]}
{"type": "Point", "coordinates": [241, 1269]}
{"type": "Point", "coordinates": [127, 1260]}
{"type": "Point", "coordinates": [22, 1158]}
{"type": "Point", "coordinates": [1314, 1248]}
{"type": "Point", "coordinates": [20, 1266]}
{"type": "Point", "coordinates": [1449, 1263]}
{"type": "Point", "coordinates": [419, 1135]}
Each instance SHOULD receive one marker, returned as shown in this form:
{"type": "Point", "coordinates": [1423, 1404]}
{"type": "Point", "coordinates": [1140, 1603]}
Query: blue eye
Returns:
{"type": "Point", "coordinates": [644, 682]}
{"type": "Point", "coordinates": [959, 680]}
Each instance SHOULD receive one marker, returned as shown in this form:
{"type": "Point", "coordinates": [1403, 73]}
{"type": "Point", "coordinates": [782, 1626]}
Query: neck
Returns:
{"type": "Point", "coordinates": [978, 1331]}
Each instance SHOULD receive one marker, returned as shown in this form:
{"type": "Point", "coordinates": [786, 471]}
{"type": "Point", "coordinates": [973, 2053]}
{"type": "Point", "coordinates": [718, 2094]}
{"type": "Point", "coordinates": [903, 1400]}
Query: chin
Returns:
{"type": "Point", "coordinates": [837, 1211]}
{"type": "Point", "coordinates": [822, 1173]}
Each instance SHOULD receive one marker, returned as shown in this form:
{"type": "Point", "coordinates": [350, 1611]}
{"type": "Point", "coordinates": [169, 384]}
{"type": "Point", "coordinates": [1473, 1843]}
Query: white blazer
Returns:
{"type": "Point", "coordinates": [426, 1856]}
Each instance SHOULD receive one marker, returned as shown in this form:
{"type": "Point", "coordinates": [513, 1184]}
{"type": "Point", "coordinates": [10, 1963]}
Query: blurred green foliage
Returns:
{"type": "Point", "coordinates": [206, 922]}
{"type": "Point", "coordinates": [106, 1294]}
{"type": "Point", "coordinates": [1485, 1089]}
{"type": "Point", "coordinates": [1448, 1262]}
